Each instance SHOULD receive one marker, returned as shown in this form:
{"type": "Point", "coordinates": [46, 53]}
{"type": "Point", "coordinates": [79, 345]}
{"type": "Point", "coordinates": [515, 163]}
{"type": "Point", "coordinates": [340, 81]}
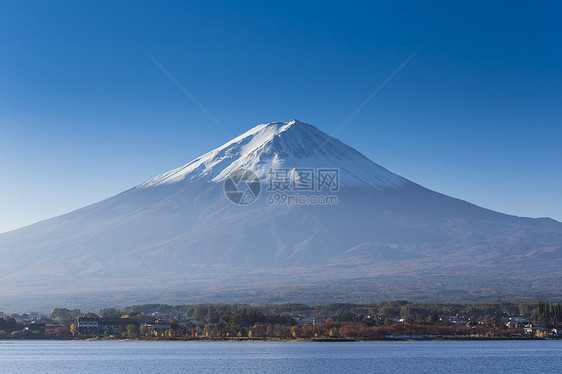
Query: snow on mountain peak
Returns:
{"type": "Point", "coordinates": [283, 145]}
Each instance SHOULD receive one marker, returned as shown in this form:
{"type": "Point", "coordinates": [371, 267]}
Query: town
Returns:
{"type": "Point", "coordinates": [333, 322]}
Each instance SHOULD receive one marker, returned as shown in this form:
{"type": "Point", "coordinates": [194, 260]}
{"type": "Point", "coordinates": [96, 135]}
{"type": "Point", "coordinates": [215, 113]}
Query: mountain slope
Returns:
{"type": "Point", "coordinates": [179, 232]}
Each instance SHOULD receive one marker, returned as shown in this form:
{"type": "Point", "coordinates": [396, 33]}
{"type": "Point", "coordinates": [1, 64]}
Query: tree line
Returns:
{"type": "Point", "coordinates": [392, 308]}
{"type": "Point", "coordinates": [549, 315]}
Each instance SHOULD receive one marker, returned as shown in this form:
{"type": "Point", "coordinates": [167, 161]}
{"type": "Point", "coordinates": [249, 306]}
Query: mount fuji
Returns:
{"type": "Point", "coordinates": [179, 238]}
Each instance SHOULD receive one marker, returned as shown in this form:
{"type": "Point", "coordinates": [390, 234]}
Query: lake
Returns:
{"type": "Point", "coordinates": [280, 357]}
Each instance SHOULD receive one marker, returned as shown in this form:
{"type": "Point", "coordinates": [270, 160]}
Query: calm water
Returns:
{"type": "Point", "coordinates": [287, 357]}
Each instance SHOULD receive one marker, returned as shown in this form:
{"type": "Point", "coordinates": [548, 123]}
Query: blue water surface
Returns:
{"type": "Point", "coordinates": [280, 357]}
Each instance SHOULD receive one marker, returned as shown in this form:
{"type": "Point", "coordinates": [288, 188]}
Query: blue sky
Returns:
{"type": "Point", "coordinates": [86, 114]}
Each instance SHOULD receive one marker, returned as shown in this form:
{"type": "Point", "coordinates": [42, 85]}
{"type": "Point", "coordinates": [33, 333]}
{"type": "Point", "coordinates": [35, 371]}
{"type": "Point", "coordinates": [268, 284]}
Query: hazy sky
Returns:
{"type": "Point", "coordinates": [85, 113]}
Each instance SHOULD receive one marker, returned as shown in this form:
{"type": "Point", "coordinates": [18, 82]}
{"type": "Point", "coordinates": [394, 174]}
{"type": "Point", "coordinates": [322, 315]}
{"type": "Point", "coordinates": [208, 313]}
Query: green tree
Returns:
{"type": "Point", "coordinates": [64, 314]}
{"type": "Point", "coordinates": [434, 317]}
{"type": "Point", "coordinates": [132, 331]}
{"type": "Point", "coordinates": [9, 324]}
{"type": "Point", "coordinates": [110, 313]}
{"type": "Point", "coordinates": [175, 324]}
{"type": "Point", "coordinates": [144, 330]}
{"type": "Point", "coordinates": [122, 331]}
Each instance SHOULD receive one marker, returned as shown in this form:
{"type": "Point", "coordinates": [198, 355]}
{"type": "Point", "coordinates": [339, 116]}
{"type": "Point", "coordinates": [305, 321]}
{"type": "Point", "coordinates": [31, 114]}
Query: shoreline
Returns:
{"type": "Point", "coordinates": [275, 340]}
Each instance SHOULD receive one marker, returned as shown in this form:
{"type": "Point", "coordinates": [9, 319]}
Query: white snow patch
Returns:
{"type": "Point", "coordinates": [288, 145]}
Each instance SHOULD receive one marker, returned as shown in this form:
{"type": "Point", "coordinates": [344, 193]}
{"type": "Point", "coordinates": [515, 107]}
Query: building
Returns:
{"type": "Point", "coordinates": [514, 325]}
{"type": "Point", "coordinates": [160, 327]}
{"type": "Point", "coordinates": [537, 331]}
{"type": "Point", "coordinates": [95, 324]}
{"type": "Point", "coordinates": [87, 324]}
{"type": "Point", "coordinates": [115, 323]}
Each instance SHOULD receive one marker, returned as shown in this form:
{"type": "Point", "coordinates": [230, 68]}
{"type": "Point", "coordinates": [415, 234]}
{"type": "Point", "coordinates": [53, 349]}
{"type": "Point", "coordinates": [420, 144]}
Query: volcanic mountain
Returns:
{"type": "Point", "coordinates": [359, 233]}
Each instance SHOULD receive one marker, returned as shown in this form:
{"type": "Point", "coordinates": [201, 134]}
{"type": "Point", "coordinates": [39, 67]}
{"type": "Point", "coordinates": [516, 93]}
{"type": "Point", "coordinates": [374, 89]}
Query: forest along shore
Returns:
{"type": "Point", "coordinates": [389, 320]}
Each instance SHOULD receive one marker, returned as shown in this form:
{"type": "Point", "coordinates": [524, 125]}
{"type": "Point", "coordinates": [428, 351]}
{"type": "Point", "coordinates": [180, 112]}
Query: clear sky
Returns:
{"type": "Point", "coordinates": [85, 113]}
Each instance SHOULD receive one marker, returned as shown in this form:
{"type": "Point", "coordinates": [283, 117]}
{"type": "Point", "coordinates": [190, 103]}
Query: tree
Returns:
{"type": "Point", "coordinates": [144, 330]}
{"type": "Point", "coordinates": [110, 313]}
{"type": "Point", "coordinates": [346, 317]}
{"type": "Point", "coordinates": [9, 324]}
{"type": "Point", "coordinates": [132, 331]}
{"type": "Point", "coordinates": [73, 329]}
{"type": "Point", "coordinates": [122, 330]}
{"type": "Point", "coordinates": [434, 317]}
{"type": "Point", "coordinates": [175, 324]}
{"type": "Point", "coordinates": [108, 332]}
{"type": "Point", "coordinates": [63, 314]}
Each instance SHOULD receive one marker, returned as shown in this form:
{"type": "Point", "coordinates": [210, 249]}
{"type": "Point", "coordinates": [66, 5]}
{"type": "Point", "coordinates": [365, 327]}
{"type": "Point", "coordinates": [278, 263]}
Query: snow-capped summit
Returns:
{"type": "Point", "coordinates": [283, 145]}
